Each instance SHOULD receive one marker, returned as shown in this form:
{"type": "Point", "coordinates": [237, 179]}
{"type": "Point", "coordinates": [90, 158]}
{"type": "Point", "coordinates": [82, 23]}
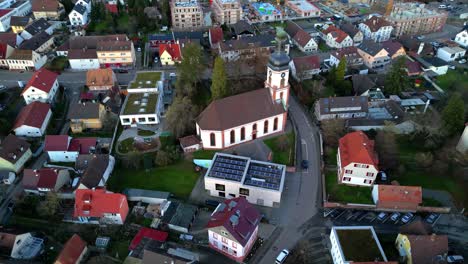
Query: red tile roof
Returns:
{"type": "Point", "coordinates": [42, 178]}
{"type": "Point", "coordinates": [338, 34]}
{"type": "Point", "coordinates": [96, 203]}
{"type": "Point", "coordinates": [56, 142]}
{"type": "Point", "coordinates": [399, 197]}
{"type": "Point", "coordinates": [5, 11]}
{"type": "Point", "coordinates": [42, 79]}
{"type": "Point", "coordinates": [172, 49]}
{"type": "Point", "coordinates": [72, 250]}
{"type": "Point", "coordinates": [306, 63]}
{"type": "Point", "coordinates": [112, 8]}
{"type": "Point", "coordinates": [424, 249]}
{"type": "Point", "coordinates": [216, 35]}
{"type": "Point", "coordinates": [375, 23]}
{"type": "Point", "coordinates": [33, 115]}
{"type": "Point", "coordinates": [82, 145]}
{"type": "Point", "coordinates": [3, 50]}
{"type": "Point", "coordinates": [189, 141]}
{"type": "Point", "coordinates": [302, 37]}
{"type": "Point", "coordinates": [145, 232]}
{"type": "Point", "coordinates": [413, 67]}
{"type": "Point", "coordinates": [243, 212]}
{"type": "Point", "coordinates": [8, 38]}
{"type": "Point", "coordinates": [45, 5]}
{"type": "Point", "coordinates": [356, 147]}
{"type": "Point", "coordinates": [392, 46]}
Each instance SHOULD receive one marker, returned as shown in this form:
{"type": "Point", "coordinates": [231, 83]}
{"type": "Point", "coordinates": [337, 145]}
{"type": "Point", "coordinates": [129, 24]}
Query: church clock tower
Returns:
{"type": "Point", "coordinates": [278, 71]}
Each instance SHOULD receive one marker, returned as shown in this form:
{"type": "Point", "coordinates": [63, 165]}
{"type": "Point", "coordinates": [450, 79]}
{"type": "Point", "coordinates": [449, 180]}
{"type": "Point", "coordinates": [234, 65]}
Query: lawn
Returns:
{"type": "Point", "coordinates": [453, 80]}
{"type": "Point", "coordinates": [330, 157]}
{"type": "Point", "coordinates": [143, 133]}
{"type": "Point", "coordinates": [119, 249]}
{"type": "Point", "coordinates": [282, 155]}
{"type": "Point", "coordinates": [204, 154]}
{"type": "Point", "coordinates": [141, 103]}
{"type": "Point", "coordinates": [177, 179]}
{"type": "Point", "coordinates": [345, 193]}
{"type": "Point", "coordinates": [323, 47]}
{"type": "Point", "coordinates": [126, 145]}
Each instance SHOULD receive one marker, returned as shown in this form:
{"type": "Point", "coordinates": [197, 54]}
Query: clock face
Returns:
{"type": "Point", "coordinates": [283, 74]}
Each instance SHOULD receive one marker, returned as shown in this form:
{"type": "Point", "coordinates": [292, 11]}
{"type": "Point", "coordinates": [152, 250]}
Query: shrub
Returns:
{"type": "Point", "coordinates": [424, 159]}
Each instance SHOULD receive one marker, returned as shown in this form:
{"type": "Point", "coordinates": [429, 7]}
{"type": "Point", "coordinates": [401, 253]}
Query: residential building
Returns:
{"type": "Point", "coordinates": [374, 54]}
{"type": "Point", "coordinates": [356, 160]}
{"type": "Point", "coordinates": [414, 18]}
{"type": "Point", "coordinates": [397, 198]}
{"type": "Point", "coordinates": [36, 27]}
{"type": "Point", "coordinates": [419, 249]}
{"type": "Point", "coordinates": [215, 36]}
{"type": "Point", "coordinates": [5, 52]}
{"type": "Point", "coordinates": [462, 38]}
{"type": "Point", "coordinates": [433, 66]}
{"type": "Point", "coordinates": [413, 68]}
{"type": "Point", "coordinates": [73, 251]}
{"type": "Point", "coordinates": [170, 54]}
{"type": "Point", "coordinates": [14, 153]}
{"type": "Point", "coordinates": [5, 17]}
{"type": "Point", "coordinates": [27, 60]}
{"type": "Point", "coordinates": [233, 228]}
{"type": "Point", "coordinates": [190, 143]}
{"type": "Point", "coordinates": [18, 23]}
{"type": "Point", "coordinates": [86, 3]}
{"type": "Point", "coordinates": [7, 177]}
{"type": "Point", "coordinates": [84, 116]}
{"type": "Point", "coordinates": [83, 59]}
{"type": "Point", "coordinates": [356, 35]}
{"type": "Point", "coordinates": [394, 49]}
{"type": "Point", "coordinates": [264, 12]}
{"type": "Point", "coordinates": [300, 37]}
{"type": "Point", "coordinates": [186, 14]}
{"type": "Point", "coordinates": [351, 55]}
{"type": "Point", "coordinates": [304, 68]}
{"type": "Point", "coordinates": [259, 182]}
{"type": "Point", "coordinates": [376, 29]}
{"type": "Point", "coordinates": [344, 107]}
{"type": "Point", "coordinates": [242, 29]}
{"type": "Point", "coordinates": [248, 48]}
{"type": "Point", "coordinates": [11, 39]}
{"type": "Point", "coordinates": [78, 16]}
{"type": "Point", "coordinates": [347, 245]}
{"type": "Point", "coordinates": [175, 256]}
{"type": "Point", "coordinates": [303, 8]}
{"type": "Point", "coordinates": [450, 53]}
{"type": "Point", "coordinates": [42, 87]}
{"type": "Point", "coordinates": [33, 120]}
{"type": "Point", "coordinates": [48, 9]}
{"type": "Point", "coordinates": [462, 145]}
{"type": "Point", "coordinates": [227, 11]}
{"type": "Point", "coordinates": [100, 80]}
{"type": "Point", "coordinates": [161, 38]}
{"type": "Point", "coordinates": [147, 233]}
{"type": "Point", "coordinates": [44, 180]}
{"type": "Point", "coordinates": [95, 170]}
{"type": "Point", "coordinates": [100, 207]}
{"type": "Point", "coordinates": [16, 8]}
{"type": "Point", "coordinates": [336, 38]}
{"type": "Point", "coordinates": [62, 148]}
{"type": "Point", "coordinates": [22, 246]}
{"type": "Point", "coordinates": [39, 43]}
{"type": "Point", "coordinates": [118, 53]}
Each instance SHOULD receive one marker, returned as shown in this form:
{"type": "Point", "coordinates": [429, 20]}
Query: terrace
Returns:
{"type": "Point", "coordinates": [145, 80]}
{"type": "Point", "coordinates": [359, 245]}
{"type": "Point", "coordinates": [141, 103]}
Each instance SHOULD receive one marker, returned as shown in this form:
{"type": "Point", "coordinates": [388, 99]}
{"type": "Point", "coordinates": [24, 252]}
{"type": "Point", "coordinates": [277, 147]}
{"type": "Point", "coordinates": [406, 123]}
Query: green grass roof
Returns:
{"type": "Point", "coordinates": [136, 101]}
{"type": "Point", "coordinates": [358, 245]}
{"type": "Point", "coordinates": [146, 80]}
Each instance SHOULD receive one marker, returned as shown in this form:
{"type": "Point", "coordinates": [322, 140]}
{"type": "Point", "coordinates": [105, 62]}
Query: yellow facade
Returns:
{"type": "Point", "coordinates": [78, 125]}
{"type": "Point", "coordinates": [404, 247]}
{"type": "Point", "coordinates": [166, 58]}
{"type": "Point", "coordinates": [17, 29]}
{"type": "Point", "coordinates": [123, 57]}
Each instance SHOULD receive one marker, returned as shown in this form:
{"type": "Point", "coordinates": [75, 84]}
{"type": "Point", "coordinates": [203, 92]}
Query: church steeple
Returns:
{"type": "Point", "coordinates": [278, 70]}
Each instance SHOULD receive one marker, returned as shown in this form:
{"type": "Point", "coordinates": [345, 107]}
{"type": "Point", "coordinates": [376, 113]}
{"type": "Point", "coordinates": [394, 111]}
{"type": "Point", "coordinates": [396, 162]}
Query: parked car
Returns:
{"type": "Point", "coordinates": [156, 59]}
{"type": "Point", "coordinates": [305, 164]}
{"type": "Point", "coordinates": [462, 61]}
{"type": "Point", "coordinates": [282, 256]}
{"type": "Point", "coordinates": [138, 49]}
{"type": "Point", "coordinates": [455, 259]}
{"type": "Point", "coordinates": [383, 176]}
{"type": "Point", "coordinates": [395, 217]}
{"type": "Point", "coordinates": [430, 219]}
{"type": "Point", "coordinates": [382, 216]}
{"type": "Point", "coordinates": [123, 71]}
{"type": "Point", "coordinates": [212, 203]}
{"type": "Point", "coordinates": [2, 87]}
{"type": "Point", "coordinates": [11, 205]}
{"type": "Point", "coordinates": [407, 217]}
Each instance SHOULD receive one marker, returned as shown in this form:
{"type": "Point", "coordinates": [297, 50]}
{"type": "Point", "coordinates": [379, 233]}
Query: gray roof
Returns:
{"type": "Point", "coordinates": [94, 166]}
{"type": "Point", "coordinates": [266, 40]}
{"type": "Point", "coordinates": [131, 192]}
{"type": "Point", "coordinates": [84, 111]}
{"type": "Point", "coordinates": [435, 61]}
{"type": "Point", "coordinates": [179, 214]}
{"type": "Point", "coordinates": [350, 29]}
{"type": "Point", "coordinates": [242, 27]}
{"type": "Point", "coordinates": [36, 41]}
{"type": "Point", "coordinates": [327, 104]}
{"type": "Point", "coordinates": [80, 8]}
{"type": "Point", "coordinates": [371, 47]}
{"type": "Point", "coordinates": [19, 21]}
{"type": "Point", "coordinates": [37, 26]}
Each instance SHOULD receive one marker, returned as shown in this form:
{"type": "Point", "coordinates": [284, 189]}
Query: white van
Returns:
{"type": "Point", "coordinates": [282, 256]}
{"type": "Point", "coordinates": [442, 6]}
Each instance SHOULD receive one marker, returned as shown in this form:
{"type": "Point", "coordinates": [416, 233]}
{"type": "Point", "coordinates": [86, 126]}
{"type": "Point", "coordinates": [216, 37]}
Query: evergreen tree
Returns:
{"type": "Point", "coordinates": [340, 70]}
{"type": "Point", "coordinates": [397, 78]}
{"type": "Point", "coordinates": [453, 115]}
{"type": "Point", "coordinates": [219, 80]}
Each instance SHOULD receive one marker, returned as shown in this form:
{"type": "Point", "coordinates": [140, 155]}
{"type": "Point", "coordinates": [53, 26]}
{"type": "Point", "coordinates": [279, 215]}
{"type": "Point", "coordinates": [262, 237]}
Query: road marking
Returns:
{"type": "Point", "coordinates": [306, 152]}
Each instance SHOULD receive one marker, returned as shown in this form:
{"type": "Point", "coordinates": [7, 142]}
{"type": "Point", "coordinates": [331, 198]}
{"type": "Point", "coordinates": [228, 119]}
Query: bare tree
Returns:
{"type": "Point", "coordinates": [332, 131]}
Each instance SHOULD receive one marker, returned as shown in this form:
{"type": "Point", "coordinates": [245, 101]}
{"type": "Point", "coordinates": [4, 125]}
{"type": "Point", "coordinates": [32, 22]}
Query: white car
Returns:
{"type": "Point", "coordinates": [463, 61]}
{"type": "Point", "coordinates": [455, 259]}
{"type": "Point", "coordinates": [395, 216]}
{"type": "Point", "coordinates": [407, 217]}
{"type": "Point", "coordinates": [282, 256]}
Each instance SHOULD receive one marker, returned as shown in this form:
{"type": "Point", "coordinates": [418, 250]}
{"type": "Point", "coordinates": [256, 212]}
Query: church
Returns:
{"type": "Point", "coordinates": [245, 117]}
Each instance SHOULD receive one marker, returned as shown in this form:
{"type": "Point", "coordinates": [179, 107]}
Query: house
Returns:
{"type": "Point", "coordinates": [115, 52]}
{"type": "Point", "coordinates": [36, 27]}
{"type": "Point", "coordinates": [100, 79]}
{"type": "Point", "coordinates": [419, 249]}
{"type": "Point", "coordinates": [347, 245]}
{"type": "Point", "coordinates": [48, 9]}
{"type": "Point", "coordinates": [18, 23]}
{"type": "Point", "coordinates": [21, 246]}
{"type": "Point", "coordinates": [147, 233]}
{"type": "Point", "coordinates": [33, 120]}
{"type": "Point", "coordinates": [303, 8]}
{"type": "Point", "coordinates": [336, 38]}
{"type": "Point", "coordinates": [175, 256]}
{"type": "Point", "coordinates": [62, 148]}
{"type": "Point", "coordinates": [85, 3]}
{"type": "Point", "coordinates": [141, 108]}
{"type": "Point", "coordinates": [39, 43]}
{"type": "Point", "coordinates": [11, 39]}
{"type": "Point", "coordinates": [242, 29]}
{"type": "Point", "coordinates": [161, 38]}
{"type": "Point", "coordinates": [413, 68]}
{"type": "Point", "coordinates": [27, 60]}
{"type": "Point", "coordinates": [304, 68]}
{"type": "Point", "coordinates": [356, 160]}
{"type": "Point", "coordinates": [14, 153]}
{"type": "Point", "coordinates": [7, 177]}
{"type": "Point", "coordinates": [374, 55]}
{"type": "Point", "coordinates": [351, 55]}
{"type": "Point", "coordinates": [450, 53]}
{"type": "Point", "coordinates": [178, 216]}
{"type": "Point", "coordinates": [5, 15]}
{"type": "Point", "coordinates": [190, 143]}
{"type": "Point", "coordinates": [233, 228]}
{"type": "Point", "coordinates": [376, 29]}
{"type": "Point", "coordinates": [364, 83]}
{"type": "Point", "coordinates": [215, 36]}
{"type": "Point", "coordinates": [259, 182]}
{"type": "Point", "coordinates": [394, 48]}
{"type": "Point", "coordinates": [244, 117]}
{"type": "Point", "coordinates": [397, 198]}
{"type": "Point", "coordinates": [462, 37]}
{"type": "Point", "coordinates": [355, 34]}
{"type": "Point", "coordinates": [433, 65]}
{"type": "Point", "coordinates": [170, 54]}
{"type": "Point", "coordinates": [462, 145]}
{"type": "Point", "coordinates": [42, 87]}
{"type": "Point", "coordinates": [95, 169]}
{"type": "Point", "coordinates": [83, 59]}
{"type": "Point", "coordinates": [44, 180]}
{"type": "Point", "coordinates": [186, 14]}
{"type": "Point", "coordinates": [248, 48]}
{"type": "Point", "coordinates": [85, 116]}
{"type": "Point", "coordinates": [73, 251]}
{"type": "Point", "coordinates": [78, 16]}
{"type": "Point", "coordinates": [304, 41]}
{"type": "Point", "coordinates": [5, 52]}
{"type": "Point", "coordinates": [100, 207]}
{"type": "Point", "coordinates": [344, 107]}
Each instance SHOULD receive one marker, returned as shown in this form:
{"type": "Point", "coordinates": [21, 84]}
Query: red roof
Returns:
{"type": "Point", "coordinates": [307, 63]}
{"type": "Point", "coordinates": [172, 49]}
{"type": "Point", "coordinates": [5, 11]}
{"type": "Point", "coordinates": [33, 115]}
{"type": "Point", "coordinates": [3, 50]}
{"type": "Point", "coordinates": [96, 203]}
{"type": "Point", "coordinates": [337, 33]}
{"type": "Point", "coordinates": [399, 197]}
{"type": "Point", "coordinates": [302, 37]}
{"type": "Point", "coordinates": [216, 35]}
{"type": "Point", "coordinates": [87, 96]}
{"type": "Point", "coordinates": [72, 250]}
{"type": "Point", "coordinates": [9, 38]}
{"type": "Point", "coordinates": [42, 79]}
{"type": "Point", "coordinates": [82, 145]}
{"type": "Point", "coordinates": [112, 8]}
{"type": "Point", "coordinates": [413, 67]}
{"type": "Point", "coordinates": [42, 178]}
{"type": "Point", "coordinates": [56, 142]}
{"type": "Point", "coordinates": [246, 218]}
{"type": "Point", "coordinates": [356, 147]}
{"type": "Point", "coordinates": [148, 233]}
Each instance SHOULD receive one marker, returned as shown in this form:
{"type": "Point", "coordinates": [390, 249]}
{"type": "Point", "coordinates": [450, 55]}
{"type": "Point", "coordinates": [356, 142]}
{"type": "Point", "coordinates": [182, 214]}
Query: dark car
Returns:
{"type": "Point", "coordinates": [212, 203]}
{"type": "Point", "coordinates": [122, 71]}
{"type": "Point", "coordinates": [10, 206]}
{"type": "Point", "coordinates": [305, 164]}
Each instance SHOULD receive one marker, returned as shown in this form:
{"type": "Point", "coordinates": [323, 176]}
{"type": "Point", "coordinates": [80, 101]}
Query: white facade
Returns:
{"type": "Point", "coordinates": [450, 53]}
{"type": "Point", "coordinates": [33, 94]}
{"type": "Point", "coordinates": [107, 218]}
{"type": "Point", "coordinates": [355, 173]}
{"type": "Point", "coordinates": [84, 64]}
{"type": "Point", "coordinates": [20, 10]}
{"type": "Point", "coordinates": [145, 118]}
{"type": "Point", "coordinates": [332, 43]}
{"type": "Point", "coordinates": [381, 35]}
{"type": "Point", "coordinates": [35, 63]}
{"type": "Point", "coordinates": [78, 19]}
{"type": "Point", "coordinates": [462, 38]}
{"type": "Point", "coordinates": [439, 70]}
{"type": "Point", "coordinates": [233, 248]}
{"type": "Point", "coordinates": [305, 75]}
{"type": "Point", "coordinates": [29, 131]}
{"type": "Point", "coordinates": [309, 47]}
{"type": "Point", "coordinates": [462, 145]}
{"type": "Point", "coordinates": [62, 156]}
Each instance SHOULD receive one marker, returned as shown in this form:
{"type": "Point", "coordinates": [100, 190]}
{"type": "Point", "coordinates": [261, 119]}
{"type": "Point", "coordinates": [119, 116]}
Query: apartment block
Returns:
{"type": "Point", "coordinates": [227, 11]}
{"type": "Point", "coordinates": [186, 14]}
